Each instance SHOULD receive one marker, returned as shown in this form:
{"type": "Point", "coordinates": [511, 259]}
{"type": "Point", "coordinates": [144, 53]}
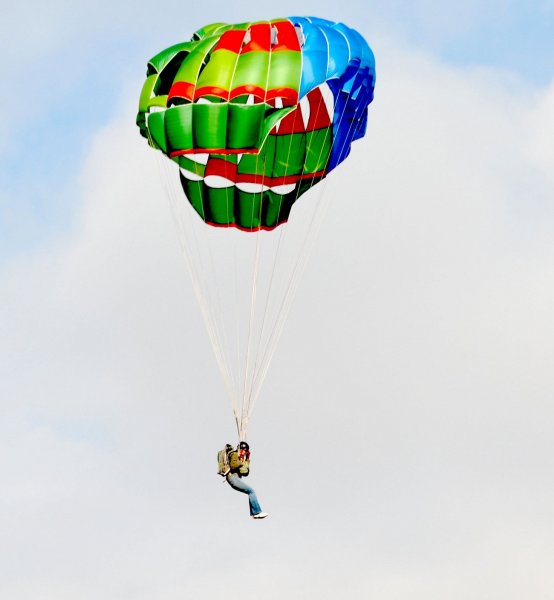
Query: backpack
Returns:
{"type": "Point", "coordinates": [223, 466]}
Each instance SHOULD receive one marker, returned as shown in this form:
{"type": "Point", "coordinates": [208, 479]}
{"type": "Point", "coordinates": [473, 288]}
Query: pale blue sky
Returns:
{"type": "Point", "coordinates": [69, 67]}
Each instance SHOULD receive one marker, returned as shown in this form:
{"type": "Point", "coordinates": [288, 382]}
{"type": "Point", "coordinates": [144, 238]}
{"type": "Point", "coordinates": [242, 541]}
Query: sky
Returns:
{"type": "Point", "coordinates": [402, 444]}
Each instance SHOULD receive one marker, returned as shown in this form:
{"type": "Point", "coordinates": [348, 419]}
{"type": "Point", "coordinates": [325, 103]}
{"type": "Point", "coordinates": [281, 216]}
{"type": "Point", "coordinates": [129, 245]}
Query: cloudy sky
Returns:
{"type": "Point", "coordinates": [403, 441]}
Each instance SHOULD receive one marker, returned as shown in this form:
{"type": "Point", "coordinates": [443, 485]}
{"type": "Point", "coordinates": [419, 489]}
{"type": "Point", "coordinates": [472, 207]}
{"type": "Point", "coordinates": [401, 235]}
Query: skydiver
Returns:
{"type": "Point", "coordinates": [239, 464]}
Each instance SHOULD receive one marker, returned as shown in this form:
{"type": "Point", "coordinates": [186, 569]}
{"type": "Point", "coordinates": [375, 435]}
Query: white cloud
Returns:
{"type": "Point", "coordinates": [541, 124]}
{"type": "Point", "coordinates": [402, 446]}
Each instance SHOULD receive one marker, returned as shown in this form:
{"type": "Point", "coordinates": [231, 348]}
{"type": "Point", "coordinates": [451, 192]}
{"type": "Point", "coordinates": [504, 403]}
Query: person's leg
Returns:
{"type": "Point", "coordinates": [238, 484]}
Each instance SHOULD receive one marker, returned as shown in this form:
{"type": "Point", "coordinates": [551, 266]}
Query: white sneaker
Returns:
{"type": "Point", "coordinates": [260, 515]}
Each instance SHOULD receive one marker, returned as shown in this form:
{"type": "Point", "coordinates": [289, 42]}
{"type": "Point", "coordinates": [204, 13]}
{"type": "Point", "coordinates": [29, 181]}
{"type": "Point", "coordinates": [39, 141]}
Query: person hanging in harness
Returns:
{"type": "Point", "coordinates": [234, 465]}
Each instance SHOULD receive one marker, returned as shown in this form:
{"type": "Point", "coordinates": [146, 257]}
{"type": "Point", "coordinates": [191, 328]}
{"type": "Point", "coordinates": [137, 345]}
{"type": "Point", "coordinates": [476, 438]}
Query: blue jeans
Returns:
{"type": "Point", "coordinates": [238, 484]}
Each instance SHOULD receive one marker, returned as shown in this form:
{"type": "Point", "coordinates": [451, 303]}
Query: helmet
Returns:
{"type": "Point", "coordinates": [244, 446]}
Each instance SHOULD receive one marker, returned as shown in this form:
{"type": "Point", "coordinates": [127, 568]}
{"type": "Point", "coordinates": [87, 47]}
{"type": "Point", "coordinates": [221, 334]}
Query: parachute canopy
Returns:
{"type": "Point", "coordinates": [255, 114]}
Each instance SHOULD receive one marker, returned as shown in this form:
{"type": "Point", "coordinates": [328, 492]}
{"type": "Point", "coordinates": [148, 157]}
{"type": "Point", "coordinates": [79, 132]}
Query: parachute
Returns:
{"type": "Point", "coordinates": [254, 115]}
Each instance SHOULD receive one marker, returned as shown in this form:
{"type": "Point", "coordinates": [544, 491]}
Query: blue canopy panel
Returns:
{"type": "Point", "coordinates": [335, 54]}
